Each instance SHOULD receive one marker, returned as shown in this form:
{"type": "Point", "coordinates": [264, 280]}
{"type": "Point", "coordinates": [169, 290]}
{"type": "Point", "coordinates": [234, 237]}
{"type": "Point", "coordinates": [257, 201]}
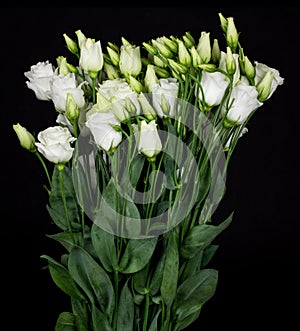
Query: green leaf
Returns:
{"type": "Point", "coordinates": [65, 239]}
{"type": "Point", "coordinates": [125, 310]}
{"type": "Point", "coordinates": [153, 326]}
{"type": "Point", "coordinates": [80, 308]}
{"type": "Point", "coordinates": [191, 266]}
{"type": "Point", "coordinates": [182, 324]}
{"type": "Point", "coordinates": [58, 191]}
{"type": "Point", "coordinates": [69, 322]}
{"type": "Point", "coordinates": [137, 254]}
{"type": "Point", "coordinates": [140, 280]}
{"type": "Point", "coordinates": [208, 253]}
{"type": "Point", "coordinates": [171, 270]}
{"type": "Point", "coordinates": [200, 236]}
{"type": "Point", "coordinates": [104, 245]}
{"type": "Point", "coordinates": [90, 276]}
{"type": "Point", "coordinates": [63, 279]}
{"type": "Point", "coordinates": [136, 167]}
{"type": "Point", "coordinates": [99, 320]}
{"type": "Point", "coordinates": [195, 291]}
{"type": "Point", "coordinates": [157, 275]}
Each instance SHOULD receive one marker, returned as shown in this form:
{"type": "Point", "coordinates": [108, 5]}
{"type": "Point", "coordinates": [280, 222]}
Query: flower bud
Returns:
{"type": "Point", "coordinates": [72, 68]}
{"type": "Point", "coordinates": [249, 69]}
{"type": "Point", "coordinates": [204, 47]}
{"type": "Point", "coordinates": [184, 56]}
{"type": "Point", "coordinates": [264, 86]}
{"type": "Point", "coordinates": [80, 37]}
{"type": "Point", "coordinates": [216, 52]}
{"type": "Point", "coordinates": [188, 39]}
{"type": "Point", "coordinates": [71, 44]}
{"type": "Point", "coordinates": [170, 44]}
{"type": "Point", "coordinates": [162, 48]}
{"type": "Point", "coordinates": [111, 71]}
{"type": "Point", "coordinates": [113, 46]}
{"type": "Point", "coordinates": [161, 72]}
{"type": "Point", "coordinates": [114, 56]}
{"type": "Point", "coordinates": [130, 106]}
{"type": "Point", "coordinates": [177, 67]}
{"type": "Point", "coordinates": [223, 22]}
{"type": "Point", "coordinates": [209, 67]}
{"type": "Point", "coordinates": [26, 138]}
{"type": "Point", "coordinates": [62, 64]}
{"type": "Point", "coordinates": [135, 84]}
{"type": "Point", "coordinates": [230, 62]}
{"type": "Point", "coordinates": [149, 48]}
{"type": "Point", "coordinates": [165, 106]}
{"type": "Point", "coordinates": [148, 110]}
{"type": "Point", "coordinates": [130, 60]}
{"type": "Point", "coordinates": [72, 111]}
{"type": "Point", "coordinates": [150, 77]}
{"type": "Point", "coordinates": [159, 62]}
{"type": "Point", "coordinates": [196, 60]}
{"type": "Point", "coordinates": [232, 36]}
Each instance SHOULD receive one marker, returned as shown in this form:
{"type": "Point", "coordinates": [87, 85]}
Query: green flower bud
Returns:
{"type": "Point", "coordinates": [150, 77]}
{"type": "Point", "coordinates": [62, 64]}
{"type": "Point", "coordinates": [230, 62]}
{"type": "Point", "coordinates": [232, 36]}
{"type": "Point", "coordinates": [249, 69]}
{"type": "Point", "coordinates": [114, 56]}
{"type": "Point", "coordinates": [148, 110]}
{"type": "Point", "coordinates": [204, 47]}
{"type": "Point", "coordinates": [72, 68]}
{"type": "Point", "coordinates": [264, 86]}
{"type": "Point", "coordinates": [135, 84]}
{"type": "Point", "coordinates": [113, 46]}
{"type": "Point", "coordinates": [161, 72]}
{"type": "Point", "coordinates": [26, 138]}
{"type": "Point", "coordinates": [165, 105]}
{"type": "Point", "coordinates": [177, 67]}
{"type": "Point", "coordinates": [111, 71]}
{"type": "Point", "coordinates": [71, 44]}
{"type": "Point", "coordinates": [149, 48]}
{"type": "Point", "coordinates": [130, 106]}
{"type": "Point", "coordinates": [188, 39]}
{"type": "Point", "coordinates": [216, 52]}
{"type": "Point", "coordinates": [162, 48]}
{"type": "Point", "coordinates": [72, 111]}
{"type": "Point", "coordinates": [196, 60]}
{"type": "Point", "coordinates": [209, 67]}
{"type": "Point", "coordinates": [158, 62]}
{"type": "Point", "coordinates": [170, 44]}
{"type": "Point", "coordinates": [80, 37]}
{"type": "Point", "coordinates": [184, 56]}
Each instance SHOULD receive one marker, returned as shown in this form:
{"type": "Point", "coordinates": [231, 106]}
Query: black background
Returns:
{"type": "Point", "coordinates": [258, 257]}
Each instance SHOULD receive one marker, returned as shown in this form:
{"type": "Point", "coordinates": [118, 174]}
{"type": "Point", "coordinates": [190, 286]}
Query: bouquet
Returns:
{"type": "Point", "coordinates": [135, 166]}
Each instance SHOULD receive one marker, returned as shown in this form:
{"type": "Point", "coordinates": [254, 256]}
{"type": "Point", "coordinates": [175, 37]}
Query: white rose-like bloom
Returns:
{"type": "Point", "coordinates": [61, 85]}
{"type": "Point", "coordinates": [91, 57]}
{"type": "Point", "coordinates": [55, 144]}
{"type": "Point", "coordinates": [243, 101]}
{"type": "Point", "coordinates": [166, 88]}
{"type": "Point", "coordinates": [222, 65]}
{"type": "Point", "coordinates": [214, 85]}
{"type": "Point", "coordinates": [117, 90]}
{"type": "Point", "coordinates": [39, 78]}
{"type": "Point", "coordinates": [102, 130]}
{"type": "Point", "coordinates": [130, 60]}
{"type": "Point", "coordinates": [149, 142]}
{"type": "Point", "coordinates": [260, 71]}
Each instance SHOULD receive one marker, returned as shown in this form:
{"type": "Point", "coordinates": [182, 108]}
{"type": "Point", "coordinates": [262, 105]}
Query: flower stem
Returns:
{"type": "Point", "coordinates": [116, 282]}
{"type": "Point", "coordinates": [44, 166]}
{"type": "Point", "coordinates": [146, 311]}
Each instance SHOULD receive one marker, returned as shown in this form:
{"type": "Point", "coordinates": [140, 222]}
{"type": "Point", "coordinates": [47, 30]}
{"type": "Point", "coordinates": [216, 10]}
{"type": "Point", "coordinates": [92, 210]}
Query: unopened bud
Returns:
{"type": "Point", "coordinates": [26, 138]}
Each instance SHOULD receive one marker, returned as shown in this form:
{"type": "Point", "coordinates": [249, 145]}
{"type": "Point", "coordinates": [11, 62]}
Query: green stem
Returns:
{"type": "Point", "coordinates": [146, 311]}
{"type": "Point", "coordinates": [116, 282]}
{"type": "Point", "coordinates": [65, 205]}
{"type": "Point", "coordinates": [44, 166]}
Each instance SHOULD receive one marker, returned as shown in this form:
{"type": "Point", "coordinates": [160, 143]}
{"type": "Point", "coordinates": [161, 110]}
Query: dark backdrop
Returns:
{"type": "Point", "coordinates": [258, 257]}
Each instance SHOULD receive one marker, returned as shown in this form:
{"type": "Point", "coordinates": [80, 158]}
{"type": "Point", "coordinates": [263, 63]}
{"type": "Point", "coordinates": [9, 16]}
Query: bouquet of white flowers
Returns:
{"type": "Point", "coordinates": [136, 166]}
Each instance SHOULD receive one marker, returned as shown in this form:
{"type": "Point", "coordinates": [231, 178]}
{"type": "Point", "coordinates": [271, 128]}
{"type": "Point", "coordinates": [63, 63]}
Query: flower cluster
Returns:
{"type": "Point", "coordinates": [176, 105]}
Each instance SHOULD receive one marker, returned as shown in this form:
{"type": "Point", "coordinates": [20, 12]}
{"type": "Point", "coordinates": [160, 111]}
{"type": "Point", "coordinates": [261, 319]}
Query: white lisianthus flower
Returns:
{"type": "Point", "coordinates": [243, 101]}
{"type": "Point", "coordinates": [117, 91]}
{"type": "Point", "coordinates": [214, 85]}
{"type": "Point", "coordinates": [260, 71]}
{"type": "Point", "coordinates": [149, 142]}
{"type": "Point", "coordinates": [91, 57]}
{"type": "Point", "coordinates": [164, 95]}
{"type": "Point", "coordinates": [61, 85]}
{"type": "Point", "coordinates": [130, 60]}
{"type": "Point", "coordinates": [101, 126]}
{"type": "Point", "coordinates": [222, 65]}
{"type": "Point", "coordinates": [39, 79]}
{"type": "Point", "coordinates": [55, 144]}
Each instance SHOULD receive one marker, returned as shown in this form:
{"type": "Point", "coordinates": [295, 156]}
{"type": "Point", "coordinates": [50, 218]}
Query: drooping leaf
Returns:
{"type": "Point", "coordinates": [93, 279]}
{"type": "Point", "coordinates": [200, 236]}
{"type": "Point", "coordinates": [65, 239]}
{"type": "Point", "coordinates": [69, 322]}
{"type": "Point", "coordinates": [195, 291]}
{"type": "Point", "coordinates": [62, 278]}
{"type": "Point", "coordinates": [170, 271]}
{"type": "Point", "coordinates": [125, 310]}
{"type": "Point", "coordinates": [104, 245]}
{"type": "Point", "coordinates": [137, 254]}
